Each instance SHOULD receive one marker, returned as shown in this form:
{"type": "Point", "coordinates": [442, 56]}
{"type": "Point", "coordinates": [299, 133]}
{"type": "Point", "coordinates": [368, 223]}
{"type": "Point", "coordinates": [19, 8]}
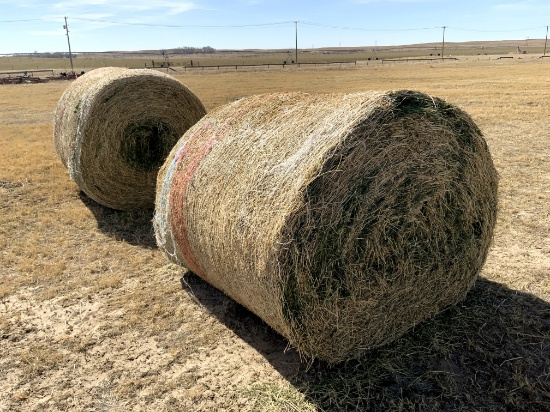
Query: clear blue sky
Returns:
{"type": "Point", "coordinates": [100, 25]}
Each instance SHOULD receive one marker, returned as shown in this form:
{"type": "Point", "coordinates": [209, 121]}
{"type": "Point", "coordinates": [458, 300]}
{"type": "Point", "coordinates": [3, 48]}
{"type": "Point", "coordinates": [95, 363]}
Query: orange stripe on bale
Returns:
{"type": "Point", "coordinates": [188, 161]}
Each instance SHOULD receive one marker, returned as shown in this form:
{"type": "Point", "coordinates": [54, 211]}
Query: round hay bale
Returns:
{"type": "Point", "coordinates": [114, 127]}
{"type": "Point", "coordinates": [341, 220]}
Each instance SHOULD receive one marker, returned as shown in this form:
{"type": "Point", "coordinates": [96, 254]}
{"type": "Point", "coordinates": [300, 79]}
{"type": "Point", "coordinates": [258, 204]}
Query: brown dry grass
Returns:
{"type": "Point", "coordinates": [92, 317]}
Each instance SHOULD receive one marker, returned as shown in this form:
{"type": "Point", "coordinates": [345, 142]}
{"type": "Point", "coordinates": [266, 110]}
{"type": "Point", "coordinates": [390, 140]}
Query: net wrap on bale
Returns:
{"type": "Point", "coordinates": [341, 220]}
{"type": "Point", "coordinates": [114, 127]}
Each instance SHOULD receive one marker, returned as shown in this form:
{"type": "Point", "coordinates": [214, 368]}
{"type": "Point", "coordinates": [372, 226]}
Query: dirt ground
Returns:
{"type": "Point", "coordinates": [94, 318]}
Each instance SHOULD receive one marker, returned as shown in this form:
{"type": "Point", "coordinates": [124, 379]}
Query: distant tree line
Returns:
{"type": "Point", "coordinates": [179, 50]}
{"type": "Point", "coordinates": [195, 50]}
{"type": "Point", "coordinates": [55, 55]}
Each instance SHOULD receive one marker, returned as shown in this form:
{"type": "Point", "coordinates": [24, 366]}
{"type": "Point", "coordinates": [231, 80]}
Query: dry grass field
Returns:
{"type": "Point", "coordinates": [94, 318]}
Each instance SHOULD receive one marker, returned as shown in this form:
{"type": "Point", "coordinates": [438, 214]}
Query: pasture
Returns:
{"type": "Point", "coordinates": [94, 318]}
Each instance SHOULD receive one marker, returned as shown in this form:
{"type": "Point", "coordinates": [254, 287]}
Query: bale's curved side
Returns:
{"type": "Point", "coordinates": [114, 127]}
{"type": "Point", "coordinates": [341, 220]}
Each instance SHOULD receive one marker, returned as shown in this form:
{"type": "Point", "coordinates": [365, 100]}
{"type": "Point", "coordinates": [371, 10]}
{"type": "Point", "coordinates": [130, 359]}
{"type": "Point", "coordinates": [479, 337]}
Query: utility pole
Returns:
{"type": "Point", "coordinates": [546, 41]}
{"type": "Point", "coordinates": [296, 58]}
{"type": "Point", "coordinates": [66, 27]}
{"type": "Point", "coordinates": [443, 47]}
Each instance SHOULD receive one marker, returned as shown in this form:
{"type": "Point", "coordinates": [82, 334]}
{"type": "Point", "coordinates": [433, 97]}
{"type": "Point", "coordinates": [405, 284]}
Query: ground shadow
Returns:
{"type": "Point", "coordinates": [490, 353]}
{"type": "Point", "coordinates": [134, 227]}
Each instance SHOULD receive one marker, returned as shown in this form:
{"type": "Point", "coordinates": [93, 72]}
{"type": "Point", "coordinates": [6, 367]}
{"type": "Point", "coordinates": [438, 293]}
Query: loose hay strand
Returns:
{"type": "Point", "coordinates": [114, 128]}
{"type": "Point", "coordinates": [341, 220]}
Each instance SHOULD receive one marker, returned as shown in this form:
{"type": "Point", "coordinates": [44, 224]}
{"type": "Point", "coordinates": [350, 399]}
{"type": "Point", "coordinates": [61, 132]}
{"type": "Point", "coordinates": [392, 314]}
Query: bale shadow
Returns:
{"type": "Point", "coordinates": [134, 227]}
{"type": "Point", "coordinates": [489, 353]}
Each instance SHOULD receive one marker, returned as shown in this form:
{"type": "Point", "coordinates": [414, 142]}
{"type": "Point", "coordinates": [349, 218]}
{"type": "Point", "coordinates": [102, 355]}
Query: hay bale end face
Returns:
{"type": "Point", "coordinates": [341, 220]}
{"type": "Point", "coordinates": [114, 128]}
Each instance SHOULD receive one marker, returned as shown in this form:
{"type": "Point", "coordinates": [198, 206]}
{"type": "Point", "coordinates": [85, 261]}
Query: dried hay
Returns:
{"type": "Point", "coordinates": [340, 220]}
{"type": "Point", "coordinates": [114, 128]}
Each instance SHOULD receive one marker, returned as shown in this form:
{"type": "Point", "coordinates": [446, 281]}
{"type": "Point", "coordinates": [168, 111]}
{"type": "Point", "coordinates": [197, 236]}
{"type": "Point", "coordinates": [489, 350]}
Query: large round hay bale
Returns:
{"type": "Point", "coordinates": [340, 220]}
{"type": "Point", "coordinates": [114, 127]}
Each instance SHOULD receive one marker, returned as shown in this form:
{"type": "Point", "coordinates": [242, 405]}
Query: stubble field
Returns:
{"type": "Point", "coordinates": [94, 318]}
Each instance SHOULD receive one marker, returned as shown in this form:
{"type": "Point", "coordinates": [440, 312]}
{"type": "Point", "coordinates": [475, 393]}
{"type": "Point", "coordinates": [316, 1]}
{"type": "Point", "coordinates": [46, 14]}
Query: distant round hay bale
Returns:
{"type": "Point", "coordinates": [114, 127]}
{"type": "Point", "coordinates": [340, 220]}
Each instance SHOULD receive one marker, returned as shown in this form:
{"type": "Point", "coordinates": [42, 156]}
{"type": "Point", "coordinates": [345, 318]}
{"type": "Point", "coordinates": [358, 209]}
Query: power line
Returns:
{"type": "Point", "coordinates": [24, 20]}
{"type": "Point", "coordinates": [496, 31]}
{"type": "Point", "coordinates": [269, 24]}
{"type": "Point", "coordinates": [289, 22]}
{"type": "Point", "coordinates": [327, 26]}
{"type": "Point", "coordinates": [296, 23]}
{"type": "Point", "coordinates": [443, 45]}
{"type": "Point", "coordinates": [66, 27]}
{"type": "Point", "coordinates": [545, 40]}
{"type": "Point", "coordinates": [180, 26]}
